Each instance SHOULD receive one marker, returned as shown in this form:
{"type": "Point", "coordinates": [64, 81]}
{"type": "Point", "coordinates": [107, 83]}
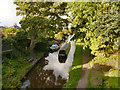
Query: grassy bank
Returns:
{"type": "Point", "coordinates": [75, 71]}
{"type": "Point", "coordinates": [104, 72]}
{"type": "Point", "coordinates": [14, 69]}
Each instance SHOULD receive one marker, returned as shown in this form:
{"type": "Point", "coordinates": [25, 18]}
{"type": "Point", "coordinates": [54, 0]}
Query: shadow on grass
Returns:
{"type": "Point", "coordinates": [87, 53]}
{"type": "Point", "coordinates": [96, 79]}
{"type": "Point", "coordinates": [97, 76]}
{"type": "Point", "coordinates": [103, 76]}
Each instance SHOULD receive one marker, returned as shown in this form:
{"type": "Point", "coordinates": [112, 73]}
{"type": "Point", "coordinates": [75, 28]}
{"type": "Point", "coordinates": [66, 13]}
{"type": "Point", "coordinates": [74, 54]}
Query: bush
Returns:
{"type": "Point", "coordinates": [12, 71]}
{"type": "Point", "coordinates": [41, 47]}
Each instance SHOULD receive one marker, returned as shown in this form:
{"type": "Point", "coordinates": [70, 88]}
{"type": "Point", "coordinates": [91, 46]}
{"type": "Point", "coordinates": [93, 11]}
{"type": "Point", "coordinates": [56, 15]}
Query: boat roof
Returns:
{"type": "Point", "coordinates": [65, 46]}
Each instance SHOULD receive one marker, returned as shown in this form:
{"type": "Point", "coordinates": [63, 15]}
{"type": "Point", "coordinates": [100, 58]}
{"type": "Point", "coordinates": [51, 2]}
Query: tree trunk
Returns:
{"type": "Point", "coordinates": [32, 45]}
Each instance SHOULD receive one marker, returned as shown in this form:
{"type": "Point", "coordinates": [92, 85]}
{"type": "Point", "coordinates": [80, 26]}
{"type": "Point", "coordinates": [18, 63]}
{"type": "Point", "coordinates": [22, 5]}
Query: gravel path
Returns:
{"type": "Point", "coordinates": [82, 83]}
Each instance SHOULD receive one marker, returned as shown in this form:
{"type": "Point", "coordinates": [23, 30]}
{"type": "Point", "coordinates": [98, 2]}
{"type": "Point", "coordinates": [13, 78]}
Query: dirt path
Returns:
{"type": "Point", "coordinates": [82, 83]}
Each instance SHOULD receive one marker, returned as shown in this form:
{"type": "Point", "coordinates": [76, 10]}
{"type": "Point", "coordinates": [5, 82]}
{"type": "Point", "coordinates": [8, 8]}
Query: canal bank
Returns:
{"type": "Point", "coordinates": [15, 70]}
{"type": "Point", "coordinates": [34, 63]}
{"type": "Point", "coordinates": [75, 70]}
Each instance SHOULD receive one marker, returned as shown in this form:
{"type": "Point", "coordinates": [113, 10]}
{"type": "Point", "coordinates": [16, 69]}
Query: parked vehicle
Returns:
{"type": "Point", "coordinates": [62, 56]}
{"type": "Point", "coordinates": [54, 47]}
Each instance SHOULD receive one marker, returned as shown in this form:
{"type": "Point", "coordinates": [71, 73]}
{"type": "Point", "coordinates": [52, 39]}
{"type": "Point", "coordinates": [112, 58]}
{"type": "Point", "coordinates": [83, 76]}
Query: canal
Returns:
{"type": "Point", "coordinates": [50, 75]}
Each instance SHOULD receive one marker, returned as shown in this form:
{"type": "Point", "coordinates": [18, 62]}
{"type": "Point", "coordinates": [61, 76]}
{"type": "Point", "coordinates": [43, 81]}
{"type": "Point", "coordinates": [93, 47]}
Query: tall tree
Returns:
{"type": "Point", "coordinates": [41, 18]}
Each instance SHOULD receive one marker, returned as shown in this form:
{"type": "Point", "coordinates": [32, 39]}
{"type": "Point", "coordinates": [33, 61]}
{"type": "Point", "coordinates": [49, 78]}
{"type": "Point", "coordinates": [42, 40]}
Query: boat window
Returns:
{"type": "Point", "coordinates": [62, 52]}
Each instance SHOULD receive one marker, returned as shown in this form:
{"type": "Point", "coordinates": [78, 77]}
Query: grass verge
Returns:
{"type": "Point", "coordinates": [88, 52]}
{"type": "Point", "coordinates": [89, 84]}
{"type": "Point", "coordinates": [75, 71]}
{"type": "Point", "coordinates": [13, 70]}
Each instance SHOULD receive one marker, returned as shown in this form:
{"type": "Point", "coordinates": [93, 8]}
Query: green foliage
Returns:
{"type": "Point", "coordinates": [65, 31]}
{"type": "Point", "coordinates": [116, 45]}
{"type": "Point", "coordinates": [112, 83]}
{"type": "Point", "coordinates": [13, 70]}
{"type": "Point", "coordinates": [41, 19]}
{"type": "Point", "coordinates": [97, 25]}
{"type": "Point", "coordinates": [17, 43]}
{"type": "Point", "coordinates": [8, 40]}
{"type": "Point", "coordinates": [6, 43]}
{"type": "Point", "coordinates": [113, 73]}
{"type": "Point", "coordinates": [59, 36]}
{"type": "Point", "coordinates": [111, 79]}
{"type": "Point", "coordinates": [10, 32]}
{"type": "Point", "coordinates": [41, 46]}
{"type": "Point", "coordinates": [62, 35]}
{"type": "Point", "coordinates": [21, 40]}
{"type": "Point", "coordinates": [110, 61]}
{"type": "Point", "coordinates": [12, 83]}
{"type": "Point", "coordinates": [89, 83]}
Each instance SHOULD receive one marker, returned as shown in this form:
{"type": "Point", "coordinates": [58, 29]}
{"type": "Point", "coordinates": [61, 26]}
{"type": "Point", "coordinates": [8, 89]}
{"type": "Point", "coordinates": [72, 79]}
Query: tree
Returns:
{"type": "Point", "coordinates": [10, 32]}
{"type": "Point", "coordinates": [41, 19]}
{"type": "Point", "coordinates": [96, 24]}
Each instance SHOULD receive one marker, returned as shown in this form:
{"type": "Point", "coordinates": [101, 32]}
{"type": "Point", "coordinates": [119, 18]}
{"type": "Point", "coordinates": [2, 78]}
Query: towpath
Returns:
{"type": "Point", "coordinates": [82, 83]}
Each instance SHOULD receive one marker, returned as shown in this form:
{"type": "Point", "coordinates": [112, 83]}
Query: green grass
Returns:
{"type": "Point", "coordinates": [89, 83]}
{"type": "Point", "coordinates": [88, 52]}
{"type": "Point", "coordinates": [111, 79]}
{"type": "Point", "coordinates": [75, 71]}
{"type": "Point", "coordinates": [13, 70]}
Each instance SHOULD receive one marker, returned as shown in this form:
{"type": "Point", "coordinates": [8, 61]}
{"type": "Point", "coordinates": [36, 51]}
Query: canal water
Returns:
{"type": "Point", "coordinates": [50, 75]}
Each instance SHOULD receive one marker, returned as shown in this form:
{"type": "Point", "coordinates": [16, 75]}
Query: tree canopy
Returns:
{"type": "Point", "coordinates": [96, 24]}
{"type": "Point", "coordinates": [41, 19]}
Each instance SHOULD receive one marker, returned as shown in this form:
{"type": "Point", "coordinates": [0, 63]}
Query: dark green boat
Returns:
{"type": "Point", "coordinates": [62, 56]}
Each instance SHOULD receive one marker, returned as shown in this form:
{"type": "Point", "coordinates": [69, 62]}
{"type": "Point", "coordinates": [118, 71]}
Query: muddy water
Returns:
{"type": "Point", "coordinates": [52, 75]}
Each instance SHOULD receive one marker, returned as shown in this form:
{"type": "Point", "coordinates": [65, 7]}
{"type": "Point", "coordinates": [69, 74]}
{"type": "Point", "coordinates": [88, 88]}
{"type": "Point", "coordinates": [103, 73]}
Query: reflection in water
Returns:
{"type": "Point", "coordinates": [26, 84]}
{"type": "Point", "coordinates": [60, 68]}
{"type": "Point", "coordinates": [53, 75]}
